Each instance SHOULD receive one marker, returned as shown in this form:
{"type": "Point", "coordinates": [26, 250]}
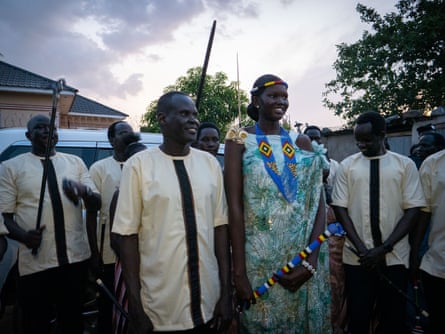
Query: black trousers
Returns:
{"type": "Point", "coordinates": [104, 303]}
{"type": "Point", "coordinates": [55, 292]}
{"type": "Point", "coordinates": [368, 292]}
{"type": "Point", "coordinates": [434, 290]}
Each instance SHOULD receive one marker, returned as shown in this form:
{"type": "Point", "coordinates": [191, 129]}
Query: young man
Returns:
{"type": "Point", "coordinates": [432, 265]}
{"type": "Point", "coordinates": [106, 175]}
{"type": "Point", "coordinates": [51, 282]}
{"type": "Point", "coordinates": [377, 195]}
{"type": "Point", "coordinates": [208, 138]}
{"type": "Point", "coordinates": [171, 215]}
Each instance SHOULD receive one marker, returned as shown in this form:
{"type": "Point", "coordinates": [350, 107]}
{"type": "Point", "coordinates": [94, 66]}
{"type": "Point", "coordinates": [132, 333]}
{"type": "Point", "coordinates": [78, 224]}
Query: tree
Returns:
{"type": "Point", "coordinates": [396, 68]}
{"type": "Point", "coordinates": [219, 100]}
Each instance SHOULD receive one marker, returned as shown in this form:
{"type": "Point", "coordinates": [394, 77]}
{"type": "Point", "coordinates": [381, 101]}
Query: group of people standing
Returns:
{"type": "Point", "coordinates": [193, 242]}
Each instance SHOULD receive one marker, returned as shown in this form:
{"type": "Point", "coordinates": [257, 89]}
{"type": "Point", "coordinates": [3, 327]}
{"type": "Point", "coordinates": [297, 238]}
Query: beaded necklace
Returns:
{"type": "Point", "coordinates": [286, 180]}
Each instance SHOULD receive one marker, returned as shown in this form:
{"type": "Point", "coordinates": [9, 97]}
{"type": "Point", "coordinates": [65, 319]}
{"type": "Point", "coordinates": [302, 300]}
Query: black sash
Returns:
{"type": "Point", "coordinates": [59, 219]}
{"type": "Point", "coordinates": [188, 209]}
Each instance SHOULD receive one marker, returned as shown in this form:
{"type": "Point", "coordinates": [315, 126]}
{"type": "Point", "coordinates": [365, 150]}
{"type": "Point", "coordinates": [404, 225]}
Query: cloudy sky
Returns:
{"type": "Point", "coordinates": [123, 53]}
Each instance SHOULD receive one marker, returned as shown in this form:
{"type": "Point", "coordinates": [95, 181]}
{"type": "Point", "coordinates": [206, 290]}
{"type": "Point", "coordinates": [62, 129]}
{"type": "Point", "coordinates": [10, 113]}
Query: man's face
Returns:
{"type": "Point", "coordinates": [369, 144]}
{"type": "Point", "coordinates": [121, 131]}
{"type": "Point", "coordinates": [426, 146]}
{"type": "Point", "coordinates": [38, 132]}
{"type": "Point", "coordinates": [209, 140]}
{"type": "Point", "coordinates": [180, 124]}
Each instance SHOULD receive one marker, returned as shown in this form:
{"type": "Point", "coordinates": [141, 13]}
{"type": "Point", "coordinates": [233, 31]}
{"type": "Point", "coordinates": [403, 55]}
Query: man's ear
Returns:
{"type": "Point", "coordinates": [161, 118]}
{"type": "Point", "coordinates": [28, 135]}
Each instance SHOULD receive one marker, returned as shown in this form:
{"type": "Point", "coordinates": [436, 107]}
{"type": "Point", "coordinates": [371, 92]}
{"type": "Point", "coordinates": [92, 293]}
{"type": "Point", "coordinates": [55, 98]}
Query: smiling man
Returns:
{"type": "Point", "coordinates": [171, 215]}
{"type": "Point", "coordinates": [377, 196]}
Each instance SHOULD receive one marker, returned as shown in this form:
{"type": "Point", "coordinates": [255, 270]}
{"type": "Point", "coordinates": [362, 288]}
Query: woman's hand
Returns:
{"type": "Point", "coordinates": [294, 279]}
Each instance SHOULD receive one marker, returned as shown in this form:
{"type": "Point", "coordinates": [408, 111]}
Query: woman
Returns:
{"type": "Point", "coordinates": [276, 207]}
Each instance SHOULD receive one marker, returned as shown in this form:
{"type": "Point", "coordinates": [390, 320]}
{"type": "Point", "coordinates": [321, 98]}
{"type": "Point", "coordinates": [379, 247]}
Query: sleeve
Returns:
{"type": "Point", "coordinates": [128, 216]}
{"type": "Point", "coordinates": [221, 214]}
{"type": "Point", "coordinates": [85, 177]}
{"type": "Point", "coordinates": [412, 189]}
{"type": "Point", "coordinates": [95, 175]}
{"type": "Point", "coordinates": [340, 190]}
{"type": "Point", "coordinates": [8, 193]}
{"type": "Point", "coordinates": [425, 179]}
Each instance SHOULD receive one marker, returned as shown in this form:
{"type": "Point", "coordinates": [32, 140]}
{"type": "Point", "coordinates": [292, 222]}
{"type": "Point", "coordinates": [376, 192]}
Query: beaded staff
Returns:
{"type": "Point", "coordinates": [333, 229]}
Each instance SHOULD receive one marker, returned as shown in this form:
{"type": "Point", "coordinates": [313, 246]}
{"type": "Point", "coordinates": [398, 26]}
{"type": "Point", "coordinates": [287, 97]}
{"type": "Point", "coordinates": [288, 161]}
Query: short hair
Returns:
{"type": "Point", "coordinates": [165, 101]}
{"type": "Point", "coordinates": [439, 140]}
{"type": "Point", "coordinates": [133, 148]}
{"type": "Point", "coordinates": [377, 121]}
{"type": "Point", "coordinates": [311, 127]}
{"type": "Point", "coordinates": [112, 129]}
{"type": "Point", "coordinates": [205, 125]}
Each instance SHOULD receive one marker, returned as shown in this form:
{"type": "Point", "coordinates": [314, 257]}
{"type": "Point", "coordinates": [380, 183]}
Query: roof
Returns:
{"type": "Point", "coordinates": [15, 77]}
{"type": "Point", "coordinates": [82, 105]}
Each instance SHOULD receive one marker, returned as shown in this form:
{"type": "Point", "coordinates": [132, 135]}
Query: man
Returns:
{"type": "Point", "coordinates": [207, 138]}
{"type": "Point", "coordinates": [429, 143]}
{"type": "Point", "coordinates": [106, 175]}
{"type": "Point", "coordinates": [432, 265]}
{"type": "Point", "coordinates": [51, 282]}
{"type": "Point", "coordinates": [377, 195]}
{"type": "Point", "coordinates": [336, 243]}
{"type": "Point", "coordinates": [171, 215]}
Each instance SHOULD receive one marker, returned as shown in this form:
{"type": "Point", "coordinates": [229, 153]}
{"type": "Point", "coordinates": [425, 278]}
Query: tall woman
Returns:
{"type": "Point", "coordinates": [276, 207]}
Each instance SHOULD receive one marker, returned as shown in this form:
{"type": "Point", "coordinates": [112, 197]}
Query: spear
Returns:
{"type": "Point", "coordinates": [204, 68]}
{"type": "Point", "coordinates": [56, 89]}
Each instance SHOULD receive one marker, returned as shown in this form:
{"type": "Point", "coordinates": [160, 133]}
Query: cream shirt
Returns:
{"type": "Point", "coordinates": [150, 205]}
{"type": "Point", "coordinates": [106, 175]}
{"type": "Point", "coordinates": [20, 182]}
{"type": "Point", "coordinates": [432, 175]}
{"type": "Point", "coordinates": [400, 189]}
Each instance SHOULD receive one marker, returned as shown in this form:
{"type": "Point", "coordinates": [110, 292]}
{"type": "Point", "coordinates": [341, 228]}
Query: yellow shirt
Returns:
{"type": "Point", "coordinates": [20, 182]}
{"type": "Point", "coordinates": [150, 205]}
{"type": "Point", "coordinates": [106, 175]}
{"type": "Point", "coordinates": [432, 175]}
{"type": "Point", "coordinates": [400, 189]}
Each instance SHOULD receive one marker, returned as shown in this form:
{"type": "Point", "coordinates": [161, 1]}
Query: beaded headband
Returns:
{"type": "Point", "coordinates": [268, 84]}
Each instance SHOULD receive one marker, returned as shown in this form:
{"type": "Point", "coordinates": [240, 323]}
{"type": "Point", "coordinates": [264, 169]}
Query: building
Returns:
{"type": "Point", "coordinates": [24, 94]}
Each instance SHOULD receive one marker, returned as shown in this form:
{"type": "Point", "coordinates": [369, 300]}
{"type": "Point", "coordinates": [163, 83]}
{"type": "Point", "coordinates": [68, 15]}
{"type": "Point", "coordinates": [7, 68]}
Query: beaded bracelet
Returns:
{"type": "Point", "coordinates": [308, 266]}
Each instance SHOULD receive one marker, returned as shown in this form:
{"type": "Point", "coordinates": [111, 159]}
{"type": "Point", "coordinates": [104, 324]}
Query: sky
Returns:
{"type": "Point", "coordinates": [123, 53]}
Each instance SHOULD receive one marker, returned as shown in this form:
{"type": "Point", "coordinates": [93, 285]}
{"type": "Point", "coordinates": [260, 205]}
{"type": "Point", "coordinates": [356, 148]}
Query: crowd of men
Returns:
{"type": "Point", "coordinates": [172, 205]}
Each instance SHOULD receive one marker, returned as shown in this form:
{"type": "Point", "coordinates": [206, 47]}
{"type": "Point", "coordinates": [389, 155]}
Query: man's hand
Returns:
{"type": "Point", "coordinates": [222, 316]}
{"type": "Point", "coordinates": [244, 293]}
{"type": "Point", "coordinates": [138, 320]}
{"type": "Point", "coordinates": [373, 258]}
{"type": "Point", "coordinates": [33, 238]}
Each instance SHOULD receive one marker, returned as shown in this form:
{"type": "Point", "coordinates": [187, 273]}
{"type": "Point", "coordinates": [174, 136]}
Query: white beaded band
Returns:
{"type": "Point", "coordinates": [308, 266]}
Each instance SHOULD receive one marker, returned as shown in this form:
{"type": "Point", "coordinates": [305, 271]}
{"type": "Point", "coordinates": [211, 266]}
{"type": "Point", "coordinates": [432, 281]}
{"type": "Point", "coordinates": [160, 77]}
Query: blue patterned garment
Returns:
{"type": "Point", "coordinates": [276, 231]}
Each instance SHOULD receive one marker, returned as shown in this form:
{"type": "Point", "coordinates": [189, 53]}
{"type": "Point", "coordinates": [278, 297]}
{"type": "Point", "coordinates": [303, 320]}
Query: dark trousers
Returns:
{"type": "Point", "coordinates": [55, 292]}
{"type": "Point", "coordinates": [203, 329]}
{"type": "Point", "coordinates": [368, 292]}
{"type": "Point", "coordinates": [434, 290]}
{"type": "Point", "coordinates": [104, 303]}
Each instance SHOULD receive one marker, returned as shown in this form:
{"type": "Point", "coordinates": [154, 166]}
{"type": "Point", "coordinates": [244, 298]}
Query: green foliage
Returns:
{"type": "Point", "coordinates": [397, 67]}
{"type": "Point", "coordinates": [218, 104]}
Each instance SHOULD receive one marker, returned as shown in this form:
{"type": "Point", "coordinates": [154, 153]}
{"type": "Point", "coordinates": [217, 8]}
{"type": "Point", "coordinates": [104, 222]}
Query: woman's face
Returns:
{"type": "Point", "coordinates": [273, 102]}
